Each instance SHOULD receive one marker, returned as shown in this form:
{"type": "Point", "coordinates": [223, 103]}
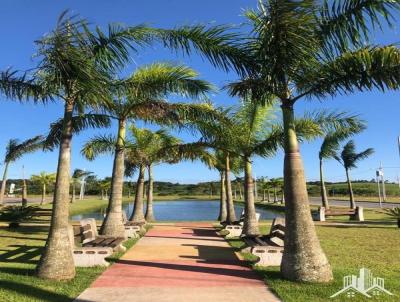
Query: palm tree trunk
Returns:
{"type": "Point", "coordinates": [275, 196]}
{"type": "Point", "coordinates": [137, 214]}
{"type": "Point", "coordinates": [57, 262]}
{"type": "Point", "coordinates": [4, 183]}
{"type": "Point", "coordinates": [149, 207]}
{"type": "Point", "coordinates": [222, 204]}
{"type": "Point", "coordinates": [324, 196]}
{"type": "Point", "coordinates": [350, 187]}
{"type": "Point", "coordinates": [24, 193]}
{"type": "Point", "coordinates": [43, 194]}
{"type": "Point", "coordinates": [250, 224]}
{"type": "Point", "coordinates": [303, 258]}
{"type": "Point", "coordinates": [112, 224]}
{"type": "Point", "coordinates": [231, 216]}
{"type": "Point", "coordinates": [240, 191]}
{"type": "Point", "coordinates": [264, 196]}
{"type": "Point", "coordinates": [269, 196]}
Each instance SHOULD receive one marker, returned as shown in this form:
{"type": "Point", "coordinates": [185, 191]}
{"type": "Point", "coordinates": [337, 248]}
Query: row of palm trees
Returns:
{"type": "Point", "coordinates": [294, 50]}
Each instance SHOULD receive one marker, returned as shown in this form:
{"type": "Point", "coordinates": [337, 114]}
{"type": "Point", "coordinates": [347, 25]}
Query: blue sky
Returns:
{"type": "Point", "coordinates": [23, 21]}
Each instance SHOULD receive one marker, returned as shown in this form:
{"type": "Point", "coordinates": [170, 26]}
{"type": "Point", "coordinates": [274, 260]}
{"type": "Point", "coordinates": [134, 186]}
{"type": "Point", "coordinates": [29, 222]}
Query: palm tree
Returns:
{"type": "Point", "coordinates": [144, 152]}
{"type": "Point", "coordinates": [348, 159]}
{"type": "Point", "coordinates": [105, 186]}
{"type": "Point", "coordinates": [276, 183]}
{"type": "Point", "coordinates": [329, 148]}
{"type": "Point", "coordinates": [143, 98]}
{"type": "Point", "coordinates": [44, 179]}
{"type": "Point", "coordinates": [77, 176]}
{"type": "Point", "coordinates": [76, 64]}
{"type": "Point", "coordinates": [15, 150]}
{"type": "Point", "coordinates": [226, 203]}
{"type": "Point", "coordinates": [306, 49]}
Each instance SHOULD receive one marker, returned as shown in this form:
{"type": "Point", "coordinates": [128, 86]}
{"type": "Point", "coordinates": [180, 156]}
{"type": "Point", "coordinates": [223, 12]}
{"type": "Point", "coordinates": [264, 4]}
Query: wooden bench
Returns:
{"type": "Point", "coordinates": [87, 256]}
{"type": "Point", "coordinates": [235, 229]}
{"type": "Point", "coordinates": [355, 214]}
{"type": "Point", "coordinates": [91, 238]}
{"type": "Point", "coordinates": [269, 248]}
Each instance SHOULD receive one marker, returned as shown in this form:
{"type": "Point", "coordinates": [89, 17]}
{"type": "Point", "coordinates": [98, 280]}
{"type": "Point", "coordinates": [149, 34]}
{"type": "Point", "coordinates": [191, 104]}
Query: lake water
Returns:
{"type": "Point", "coordinates": [182, 210]}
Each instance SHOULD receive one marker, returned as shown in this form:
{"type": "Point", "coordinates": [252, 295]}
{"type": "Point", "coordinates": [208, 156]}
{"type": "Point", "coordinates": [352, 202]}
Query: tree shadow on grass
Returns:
{"type": "Point", "coordinates": [34, 292]}
{"type": "Point", "coordinates": [21, 254]}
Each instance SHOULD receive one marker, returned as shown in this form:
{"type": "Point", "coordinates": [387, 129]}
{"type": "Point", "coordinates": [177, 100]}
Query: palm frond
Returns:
{"type": "Point", "coordinates": [79, 123]}
{"type": "Point", "coordinates": [16, 149]}
{"type": "Point", "coordinates": [216, 43]}
{"type": "Point", "coordinates": [160, 79]}
{"type": "Point", "coordinates": [21, 87]}
{"type": "Point", "coordinates": [98, 145]}
{"type": "Point", "coordinates": [347, 23]}
{"type": "Point", "coordinates": [363, 69]}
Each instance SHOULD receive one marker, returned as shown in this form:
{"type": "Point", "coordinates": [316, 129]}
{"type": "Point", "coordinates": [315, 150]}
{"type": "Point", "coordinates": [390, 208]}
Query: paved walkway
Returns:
{"type": "Point", "coordinates": [179, 263]}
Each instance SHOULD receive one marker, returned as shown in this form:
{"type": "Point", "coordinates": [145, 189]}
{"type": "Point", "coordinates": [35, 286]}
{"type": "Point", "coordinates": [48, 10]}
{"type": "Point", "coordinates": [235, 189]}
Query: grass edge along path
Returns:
{"type": "Point", "coordinates": [19, 254]}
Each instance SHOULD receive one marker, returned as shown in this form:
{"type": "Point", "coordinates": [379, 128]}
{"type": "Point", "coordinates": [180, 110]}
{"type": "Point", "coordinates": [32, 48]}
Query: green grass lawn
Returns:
{"type": "Point", "coordinates": [373, 245]}
{"type": "Point", "coordinates": [19, 253]}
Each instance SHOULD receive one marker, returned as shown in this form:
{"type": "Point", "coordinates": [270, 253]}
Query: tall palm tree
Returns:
{"type": "Point", "coordinates": [44, 179]}
{"type": "Point", "coordinates": [142, 97]}
{"type": "Point", "coordinates": [15, 150]}
{"type": "Point", "coordinates": [142, 147]}
{"type": "Point", "coordinates": [226, 201]}
{"type": "Point", "coordinates": [312, 49]}
{"type": "Point", "coordinates": [329, 148]}
{"type": "Point", "coordinates": [348, 159]}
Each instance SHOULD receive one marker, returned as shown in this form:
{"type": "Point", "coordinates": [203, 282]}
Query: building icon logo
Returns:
{"type": "Point", "coordinates": [364, 284]}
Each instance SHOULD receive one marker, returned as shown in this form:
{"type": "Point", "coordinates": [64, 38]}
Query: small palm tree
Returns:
{"type": "Point", "coordinates": [15, 150]}
{"type": "Point", "coordinates": [348, 159]}
{"type": "Point", "coordinates": [44, 179]}
{"type": "Point", "coordinates": [105, 186]}
{"type": "Point", "coordinates": [330, 146]}
{"type": "Point", "coordinates": [395, 213]}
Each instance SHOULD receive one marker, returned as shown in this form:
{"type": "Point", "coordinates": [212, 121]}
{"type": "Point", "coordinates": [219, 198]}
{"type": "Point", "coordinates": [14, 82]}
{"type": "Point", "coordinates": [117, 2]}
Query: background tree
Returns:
{"type": "Point", "coordinates": [330, 146]}
{"type": "Point", "coordinates": [348, 159]}
{"type": "Point", "coordinates": [15, 150]}
{"type": "Point", "coordinates": [45, 180]}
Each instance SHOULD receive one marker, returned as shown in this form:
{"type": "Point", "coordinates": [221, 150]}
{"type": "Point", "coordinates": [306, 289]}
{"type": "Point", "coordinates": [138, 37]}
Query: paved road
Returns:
{"type": "Point", "coordinates": [365, 204]}
{"type": "Point", "coordinates": [179, 263]}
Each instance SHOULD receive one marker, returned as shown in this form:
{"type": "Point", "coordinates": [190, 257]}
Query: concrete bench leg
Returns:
{"type": "Point", "coordinates": [88, 257]}
{"type": "Point", "coordinates": [132, 231]}
{"type": "Point", "coordinates": [234, 231]}
{"type": "Point", "coordinates": [268, 255]}
{"type": "Point", "coordinates": [359, 214]}
{"type": "Point", "coordinates": [320, 215]}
